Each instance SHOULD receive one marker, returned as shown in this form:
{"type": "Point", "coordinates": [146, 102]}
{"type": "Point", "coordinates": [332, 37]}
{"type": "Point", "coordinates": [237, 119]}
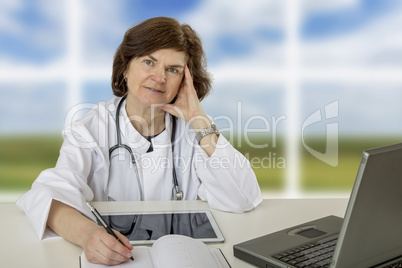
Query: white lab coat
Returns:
{"type": "Point", "coordinates": [83, 171]}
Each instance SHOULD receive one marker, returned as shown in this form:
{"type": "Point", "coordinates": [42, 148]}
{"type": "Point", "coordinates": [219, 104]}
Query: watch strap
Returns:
{"type": "Point", "coordinates": [212, 129]}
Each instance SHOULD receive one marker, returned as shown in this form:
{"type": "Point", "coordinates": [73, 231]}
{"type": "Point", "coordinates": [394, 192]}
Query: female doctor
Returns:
{"type": "Point", "coordinates": [153, 141]}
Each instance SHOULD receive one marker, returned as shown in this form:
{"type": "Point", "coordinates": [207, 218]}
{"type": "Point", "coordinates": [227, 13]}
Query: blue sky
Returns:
{"type": "Point", "coordinates": [245, 42]}
{"type": "Point", "coordinates": [152, 8]}
{"type": "Point", "coordinates": [345, 19]}
{"type": "Point", "coordinates": [32, 19]}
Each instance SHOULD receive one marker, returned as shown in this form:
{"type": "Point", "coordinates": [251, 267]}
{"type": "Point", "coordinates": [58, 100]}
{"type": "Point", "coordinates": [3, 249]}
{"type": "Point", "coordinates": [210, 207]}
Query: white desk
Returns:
{"type": "Point", "coordinates": [20, 246]}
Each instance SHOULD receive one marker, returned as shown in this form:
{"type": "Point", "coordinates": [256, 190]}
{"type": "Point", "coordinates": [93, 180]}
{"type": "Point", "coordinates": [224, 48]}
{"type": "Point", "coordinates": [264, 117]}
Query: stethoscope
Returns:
{"type": "Point", "coordinates": [177, 194]}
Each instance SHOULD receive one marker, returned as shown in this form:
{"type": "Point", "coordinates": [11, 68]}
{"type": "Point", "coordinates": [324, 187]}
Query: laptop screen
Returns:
{"type": "Point", "coordinates": [372, 224]}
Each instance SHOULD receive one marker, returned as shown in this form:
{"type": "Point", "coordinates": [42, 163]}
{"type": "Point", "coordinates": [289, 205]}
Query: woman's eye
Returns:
{"type": "Point", "coordinates": [172, 70]}
{"type": "Point", "coordinates": [148, 62]}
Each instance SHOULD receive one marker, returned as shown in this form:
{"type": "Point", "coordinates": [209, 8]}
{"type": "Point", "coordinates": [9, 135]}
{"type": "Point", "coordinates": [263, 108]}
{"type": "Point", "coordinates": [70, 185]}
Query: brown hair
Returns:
{"type": "Point", "coordinates": [161, 33]}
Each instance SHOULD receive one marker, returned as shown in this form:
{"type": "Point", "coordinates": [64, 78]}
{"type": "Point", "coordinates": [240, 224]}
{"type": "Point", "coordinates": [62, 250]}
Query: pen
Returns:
{"type": "Point", "coordinates": [104, 224]}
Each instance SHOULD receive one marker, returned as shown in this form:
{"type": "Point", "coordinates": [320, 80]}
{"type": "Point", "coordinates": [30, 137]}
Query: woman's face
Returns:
{"type": "Point", "coordinates": [156, 78]}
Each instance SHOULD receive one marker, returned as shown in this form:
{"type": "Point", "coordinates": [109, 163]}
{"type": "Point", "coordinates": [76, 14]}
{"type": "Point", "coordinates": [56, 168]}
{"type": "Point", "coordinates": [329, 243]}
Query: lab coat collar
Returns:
{"type": "Point", "coordinates": [135, 140]}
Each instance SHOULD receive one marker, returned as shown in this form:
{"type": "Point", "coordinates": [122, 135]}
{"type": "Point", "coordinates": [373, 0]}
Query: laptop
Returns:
{"type": "Point", "coordinates": [370, 235]}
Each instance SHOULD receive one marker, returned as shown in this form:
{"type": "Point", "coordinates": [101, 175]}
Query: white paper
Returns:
{"type": "Point", "coordinates": [171, 251]}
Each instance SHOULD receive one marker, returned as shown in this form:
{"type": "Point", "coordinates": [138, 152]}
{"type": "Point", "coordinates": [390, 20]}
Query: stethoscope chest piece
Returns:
{"type": "Point", "coordinates": [177, 194]}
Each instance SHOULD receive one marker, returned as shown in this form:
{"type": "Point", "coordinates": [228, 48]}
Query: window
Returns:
{"type": "Point", "coordinates": [300, 87]}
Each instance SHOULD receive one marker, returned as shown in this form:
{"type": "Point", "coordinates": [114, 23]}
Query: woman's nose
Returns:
{"type": "Point", "coordinates": [159, 75]}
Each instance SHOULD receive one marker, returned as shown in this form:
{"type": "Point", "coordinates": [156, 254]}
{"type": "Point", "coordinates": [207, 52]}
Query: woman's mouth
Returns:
{"type": "Point", "coordinates": [154, 89]}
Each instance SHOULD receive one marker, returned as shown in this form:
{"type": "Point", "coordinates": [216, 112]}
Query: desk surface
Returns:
{"type": "Point", "coordinates": [20, 246]}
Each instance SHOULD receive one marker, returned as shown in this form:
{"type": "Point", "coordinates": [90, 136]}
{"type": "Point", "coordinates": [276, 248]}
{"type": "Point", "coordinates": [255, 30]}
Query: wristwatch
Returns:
{"type": "Point", "coordinates": [212, 129]}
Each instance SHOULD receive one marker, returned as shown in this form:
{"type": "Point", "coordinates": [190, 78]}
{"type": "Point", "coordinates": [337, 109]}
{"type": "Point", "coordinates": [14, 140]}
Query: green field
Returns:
{"type": "Point", "coordinates": [317, 175]}
{"type": "Point", "coordinates": [23, 158]}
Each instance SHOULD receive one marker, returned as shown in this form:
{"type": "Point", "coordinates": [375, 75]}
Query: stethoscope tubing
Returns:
{"type": "Point", "coordinates": [177, 194]}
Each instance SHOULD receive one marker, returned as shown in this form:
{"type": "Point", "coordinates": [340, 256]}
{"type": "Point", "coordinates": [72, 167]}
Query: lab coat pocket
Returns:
{"type": "Point", "coordinates": [123, 183]}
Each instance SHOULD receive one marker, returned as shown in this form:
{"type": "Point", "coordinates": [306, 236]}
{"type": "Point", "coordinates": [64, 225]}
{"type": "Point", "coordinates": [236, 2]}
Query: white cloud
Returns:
{"type": "Point", "coordinates": [8, 23]}
{"type": "Point", "coordinates": [214, 17]}
{"type": "Point", "coordinates": [376, 43]}
{"type": "Point", "coordinates": [102, 31]}
{"type": "Point", "coordinates": [323, 6]}
{"type": "Point", "coordinates": [41, 33]}
{"type": "Point", "coordinates": [363, 108]}
{"type": "Point", "coordinates": [27, 106]}
{"type": "Point", "coordinates": [53, 36]}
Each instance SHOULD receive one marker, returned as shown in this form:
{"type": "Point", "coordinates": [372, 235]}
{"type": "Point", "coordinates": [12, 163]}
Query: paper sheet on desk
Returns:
{"type": "Point", "coordinates": [171, 251]}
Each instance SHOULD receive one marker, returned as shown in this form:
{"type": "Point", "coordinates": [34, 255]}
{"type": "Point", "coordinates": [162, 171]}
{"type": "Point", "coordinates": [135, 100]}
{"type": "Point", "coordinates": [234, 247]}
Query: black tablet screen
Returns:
{"type": "Point", "coordinates": [152, 226]}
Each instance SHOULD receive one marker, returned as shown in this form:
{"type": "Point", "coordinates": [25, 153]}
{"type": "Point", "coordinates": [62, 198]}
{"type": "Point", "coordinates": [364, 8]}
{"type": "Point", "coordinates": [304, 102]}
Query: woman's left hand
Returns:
{"type": "Point", "coordinates": [187, 105]}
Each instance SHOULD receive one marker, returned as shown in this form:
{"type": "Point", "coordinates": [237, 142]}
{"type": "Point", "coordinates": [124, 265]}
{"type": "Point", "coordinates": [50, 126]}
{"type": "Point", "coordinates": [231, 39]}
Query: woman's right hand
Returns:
{"type": "Point", "coordinates": [101, 247]}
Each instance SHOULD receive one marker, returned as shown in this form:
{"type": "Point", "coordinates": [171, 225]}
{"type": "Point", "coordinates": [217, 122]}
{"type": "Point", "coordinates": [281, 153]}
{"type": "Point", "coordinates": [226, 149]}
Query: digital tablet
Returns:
{"type": "Point", "coordinates": [147, 227]}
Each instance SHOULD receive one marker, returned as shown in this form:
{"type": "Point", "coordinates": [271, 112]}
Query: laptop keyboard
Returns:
{"type": "Point", "coordinates": [312, 255]}
{"type": "Point", "coordinates": [395, 264]}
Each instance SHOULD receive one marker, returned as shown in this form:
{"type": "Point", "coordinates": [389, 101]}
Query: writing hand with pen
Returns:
{"type": "Point", "coordinates": [99, 246]}
{"type": "Point", "coordinates": [107, 248]}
